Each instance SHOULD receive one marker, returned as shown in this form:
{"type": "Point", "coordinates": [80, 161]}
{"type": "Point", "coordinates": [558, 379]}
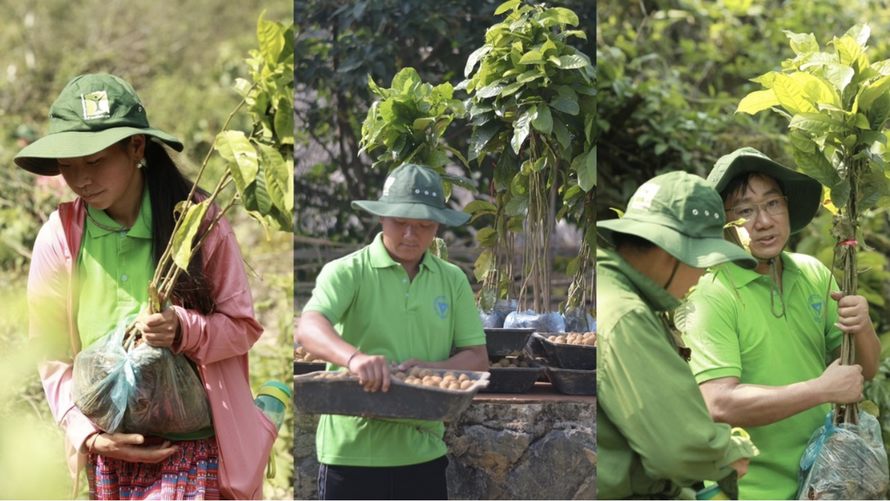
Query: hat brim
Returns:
{"type": "Point", "coordinates": [40, 157]}
{"type": "Point", "coordinates": [448, 217]}
{"type": "Point", "coordinates": [804, 193]}
{"type": "Point", "coordinates": [695, 252]}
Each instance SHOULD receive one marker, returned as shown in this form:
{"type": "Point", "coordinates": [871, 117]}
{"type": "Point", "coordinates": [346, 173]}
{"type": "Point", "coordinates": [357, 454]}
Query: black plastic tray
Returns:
{"type": "Point", "coordinates": [513, 379]}
{"type": "Point", "coordinates": [569, 356]}
{"type": "Point", "coordinates": [409, 401]}
{"type": "Point", "coordinates": [504, 342]}
{"type": "Point", "coordinates": [307, 367]}
{"type": "Point", "coordinates": [572, 382]}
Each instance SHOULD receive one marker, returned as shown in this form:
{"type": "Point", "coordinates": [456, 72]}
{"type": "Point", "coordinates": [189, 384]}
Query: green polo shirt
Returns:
{"type": "Point", "coordinates": [733, 333]}
{"type": "Point", "coordinates": [114, 269]}
{"type": "Point", "coordinates": [654, 433]}
{"type": "Point", "coordinates": [372, 304]}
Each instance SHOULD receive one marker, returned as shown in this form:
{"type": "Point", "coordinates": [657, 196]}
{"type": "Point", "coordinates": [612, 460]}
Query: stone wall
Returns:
{"type": "Point", "coordinates": [498, 450]}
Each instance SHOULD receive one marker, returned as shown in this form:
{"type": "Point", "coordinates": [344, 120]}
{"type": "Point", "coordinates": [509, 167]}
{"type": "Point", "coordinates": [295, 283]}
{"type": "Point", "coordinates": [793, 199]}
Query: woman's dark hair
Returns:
{"type": "Point", "coordinates": [739, 184]}
{"type": "Point", "coordinates": [167, 187]}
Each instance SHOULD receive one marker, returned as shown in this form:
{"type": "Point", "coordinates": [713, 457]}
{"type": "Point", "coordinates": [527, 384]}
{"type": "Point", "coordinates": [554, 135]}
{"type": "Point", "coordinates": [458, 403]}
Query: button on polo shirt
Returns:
{"type": "Point", "coordinates": [372, 304]}
{"type": "Point", "coordinates": [114, 269]}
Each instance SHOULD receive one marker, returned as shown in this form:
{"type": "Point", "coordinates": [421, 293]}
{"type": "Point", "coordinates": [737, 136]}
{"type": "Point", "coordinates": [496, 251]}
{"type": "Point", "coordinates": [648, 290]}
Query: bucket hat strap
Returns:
{"type": "Point", "coordinates": [775, 290]}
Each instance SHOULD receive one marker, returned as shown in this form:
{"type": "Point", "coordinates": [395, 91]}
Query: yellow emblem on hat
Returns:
{"type": "Point", "coordinates": [95, 105]}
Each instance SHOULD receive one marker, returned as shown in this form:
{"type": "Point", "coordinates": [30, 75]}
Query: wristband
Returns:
{"type": "Point", "coordinates": [356, 352]}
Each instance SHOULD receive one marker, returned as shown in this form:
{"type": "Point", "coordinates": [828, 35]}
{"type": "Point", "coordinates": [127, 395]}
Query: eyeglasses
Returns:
{"type": "Point", "coordinates": [773, 207]}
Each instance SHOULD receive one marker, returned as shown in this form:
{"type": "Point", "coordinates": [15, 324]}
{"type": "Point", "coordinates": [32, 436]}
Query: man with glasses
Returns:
{"type": "Point", "coordinates": [761, 338]}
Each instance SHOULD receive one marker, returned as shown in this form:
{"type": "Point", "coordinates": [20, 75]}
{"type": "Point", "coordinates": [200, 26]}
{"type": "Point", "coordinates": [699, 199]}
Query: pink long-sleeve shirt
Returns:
{"type": "Point", "coordinates": [218, 344]}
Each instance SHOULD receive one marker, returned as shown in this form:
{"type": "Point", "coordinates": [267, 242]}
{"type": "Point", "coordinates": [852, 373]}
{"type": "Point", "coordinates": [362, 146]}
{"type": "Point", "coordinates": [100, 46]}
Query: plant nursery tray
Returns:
{"type": "Point", "coordinates": [504, 342]}
{"type": "Point", "coordinates": [572, 382]}
{"type": "Point", "coordinates": [307, 367]}
{"type": "Point", "coordinates": [569, 356]}
{"type": "Point", "coordinates": [343, 395]}
{"type": "Point", "coordinates": [512, 379]}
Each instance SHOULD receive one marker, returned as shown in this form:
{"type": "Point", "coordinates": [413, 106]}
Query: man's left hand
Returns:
{"type": "Point", "coordinates": [852, 313]}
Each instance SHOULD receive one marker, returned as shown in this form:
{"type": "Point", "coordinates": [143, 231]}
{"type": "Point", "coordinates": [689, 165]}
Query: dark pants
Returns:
{"type": "Point", "coordinates": [416, 481]}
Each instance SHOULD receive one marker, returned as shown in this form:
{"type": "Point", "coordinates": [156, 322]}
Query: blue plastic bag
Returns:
{"type": "Point", "coordinates": [142, 389]}
{"type": "Point", "coordinates": [578, 320]}
{"type": "Point", "coordinates": [547, 322]}
{"type": "Point", "coordinates": [494, 319]}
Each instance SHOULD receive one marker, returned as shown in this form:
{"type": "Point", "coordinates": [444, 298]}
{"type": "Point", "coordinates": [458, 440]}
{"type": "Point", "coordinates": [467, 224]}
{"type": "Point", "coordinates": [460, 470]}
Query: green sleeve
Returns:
{"type": "Point", "coordinates": [648, 392]}
{"type": "Point", "coordinates": [335, 289]}
{"type": "Point", "coordinates": [711, 331]}
{"type": "Point", "coordinates": [467, 324]}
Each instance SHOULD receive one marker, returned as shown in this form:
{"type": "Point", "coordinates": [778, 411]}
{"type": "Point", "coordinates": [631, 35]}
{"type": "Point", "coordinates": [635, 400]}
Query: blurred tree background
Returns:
{"type": "Point", "coordinates": [338, 44]}
{"type": "Point", "coordinates": [670, 76]}
{"type": "Point", "coordinates": [182, 58]}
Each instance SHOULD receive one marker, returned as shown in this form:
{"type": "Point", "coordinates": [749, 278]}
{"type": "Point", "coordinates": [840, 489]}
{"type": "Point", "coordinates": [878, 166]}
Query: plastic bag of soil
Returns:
{"type": "Point", "coordinates": [844, 462]}
{"type": "Point", "coordinates": [544, 322]}
{"type": "Point", "coordinates": [578, 320]}
{"type": "Point", "coordinates": [494, 319]}
{"type": "Point", "coordinates": [142, 389]}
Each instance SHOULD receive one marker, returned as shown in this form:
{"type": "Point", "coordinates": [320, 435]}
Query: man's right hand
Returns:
{"type": "Point", "coordinates": [372, 371]}
{"type": "Point", "coordinates": [128, 447]}
{"type": "Point", "coordinates": [841, 384]}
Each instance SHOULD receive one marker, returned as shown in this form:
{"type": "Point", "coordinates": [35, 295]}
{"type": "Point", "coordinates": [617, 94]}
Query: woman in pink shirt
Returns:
{"type": "Point", "coordinates": [102, 144]}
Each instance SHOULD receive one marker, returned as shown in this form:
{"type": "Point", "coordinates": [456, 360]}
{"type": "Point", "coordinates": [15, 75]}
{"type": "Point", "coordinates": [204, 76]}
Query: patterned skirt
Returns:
{"type": "Point", "coordinates": [190, 473]}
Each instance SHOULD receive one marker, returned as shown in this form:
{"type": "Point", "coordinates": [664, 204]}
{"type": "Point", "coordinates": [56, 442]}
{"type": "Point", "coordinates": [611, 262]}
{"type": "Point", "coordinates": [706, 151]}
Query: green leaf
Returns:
{"type": "Point", "coordinates": [517, 205]}
{"type": "Point", "coordinates": [585, 165]}
{"type": "Point", "coordinates": [480, 206]}
{"type": "Point", "coordinates": [801, 141]}
{"type": "Point", "coordinates": [816, 166]}
{"type": "Point", "coordinates": [564, 16]}
{"type": "Point", "coordinates": [462, 181]}
{"type": "Point", "coordinates": [862, 122]}
{"type": "Point", "coordinates": [481, 137]}
{"type": "Point", "coordinates": [520, 132]}
{"type": "Point", "coordinates": [572, 62]}
{"type": "Point", "coordinates": [566, 105]}
{"type": "Point", "coordinates": [816, 123]}
{"type": "Point", "coordinates": [276, 176]}
{"type": "Point", "coordinates": [405, 79]}
{"type": "Point", "coordinates": [860, 33]}
{"type": "Point", "coordinates": [510, 89]}
{"type": "Point", "coordinates": [261, 193]}
{"type": "Point", "coordinates": [839, 75]}
{"type": "Point", "coordinates": [475, 56]}
{"type": "Point", "coordinates": [542, 119]}
{"type": "Point", "coordinates": [532, 57]}
{"type": "Point", "coordinates": [504, 7]}
{"type": "Point", "coordinates": [491, 90]}
{"type": "Point", "coordinates": [802, 43]}
{"type": "Point", "coordinates": [185, 235]}
{"type": "Point", "coordinates": [872, 91]}
{"type": "Point", "coordinates": [284, 121]}
{"type": "Point", "coordinates": [487, 237]}
{"type": "Point", "coordinates": [530, 75]}
{"type": "Point", "coordinates": [484, 264]}
{"type": "Point", "coordinates": [790, 94]}
{"type": "Point", "coordinates": [758, 101]}
{"type": "Point", "coordinates": [270, 39]}
{"type": "Point", "coordinates": [234, 147]}
{"type": "Point", "coordinates": [848, 49]}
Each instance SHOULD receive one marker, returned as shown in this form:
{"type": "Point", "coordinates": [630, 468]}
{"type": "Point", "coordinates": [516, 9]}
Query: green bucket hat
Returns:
{"type": "Point", "coordinates": [804, 193]}
{"type": "Point", "coordinates": [413, 191]}
{"type": "Point", "coordinates": [92, 113]}
{"type": "Point", "coordinates": [682, 214]}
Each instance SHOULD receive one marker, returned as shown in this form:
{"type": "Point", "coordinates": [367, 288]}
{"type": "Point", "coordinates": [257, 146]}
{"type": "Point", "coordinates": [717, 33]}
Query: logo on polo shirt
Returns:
{"type": "Point", "coordinates": [441, 306]}
{"type": "Point", "coordinates": [815, 304]}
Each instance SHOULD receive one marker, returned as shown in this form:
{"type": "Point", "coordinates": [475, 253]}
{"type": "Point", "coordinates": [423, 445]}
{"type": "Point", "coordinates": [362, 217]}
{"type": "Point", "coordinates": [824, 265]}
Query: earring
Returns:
{"type": "Point", "coordinates": [142, 163]}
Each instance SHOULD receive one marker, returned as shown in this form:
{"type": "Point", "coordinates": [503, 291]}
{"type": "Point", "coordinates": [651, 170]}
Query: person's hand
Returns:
{"type": "Point", "coordinates": [408, 364]}
{"type": "Point", "coordinates": [128, 447]}
{"type": "Point", "coordinates": [372, 371]}
{"type": "Point", "coordinates": [159, 329]}
{"type": "Point", "coordinates": [852, 313]}
{"type": "Point", "coordinates": [741, 466]}
{"type": "Point", "coordinates": [841, 384]}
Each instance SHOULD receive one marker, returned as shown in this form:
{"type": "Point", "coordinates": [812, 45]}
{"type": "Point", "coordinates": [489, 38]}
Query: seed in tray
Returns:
{"type": "Point", "coordinates": [581, 338]}
{"type": "Point", "coordinates": [425, 377]}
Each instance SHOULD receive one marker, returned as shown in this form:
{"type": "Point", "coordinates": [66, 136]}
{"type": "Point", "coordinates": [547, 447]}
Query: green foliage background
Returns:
{"type": "Point", "coordinates": [670, 76]}
{"type": "Point", "coordinates": [183, 59]}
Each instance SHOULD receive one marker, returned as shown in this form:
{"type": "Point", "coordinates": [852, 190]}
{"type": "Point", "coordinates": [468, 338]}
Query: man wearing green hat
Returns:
{"type": "Point", "coordinates": [389, 304]}
{"type": "Point", "coordinates": [760, 338]}
{"type": "Point", "coordinates": [654, 433]}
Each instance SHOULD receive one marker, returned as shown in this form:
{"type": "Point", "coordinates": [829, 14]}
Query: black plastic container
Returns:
{"type": "Point", "coordinates": [569, 356]}
{"type": "Point", "coordinates": [572, 382]}
{"type": "Point", "coordinates": [409, 401]}
{"type": "Point", "coordinates": [513, 379]}
{"type": "Point", "coordinates": [504, 342]}
{"type": "Point", "coordinates": [307, 367]}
